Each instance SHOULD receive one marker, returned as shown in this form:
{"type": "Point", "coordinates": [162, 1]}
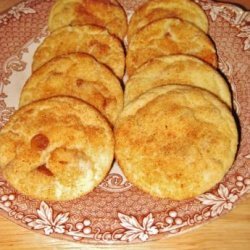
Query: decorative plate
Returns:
{"type": "Point", "coordinates": [116, 211]}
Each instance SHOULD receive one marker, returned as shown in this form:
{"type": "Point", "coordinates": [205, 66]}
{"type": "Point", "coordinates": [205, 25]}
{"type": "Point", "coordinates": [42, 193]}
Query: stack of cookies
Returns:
{"type": "Point", "coordinates": [176, 137]}
{"type": "Point", "coordinates": [59, 145]}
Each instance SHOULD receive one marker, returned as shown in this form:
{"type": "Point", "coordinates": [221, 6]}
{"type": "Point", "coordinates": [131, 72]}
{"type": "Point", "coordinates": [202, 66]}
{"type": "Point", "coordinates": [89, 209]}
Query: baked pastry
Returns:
{"type": "Point", "coordinates": [104, 13]}
{"type": "Point", "coordinates": [154, 10]}
{"type": "Point", "coordinates": [56, 149]}
{"type": "Point", "coordinates": [181, 69]}
{"type": "Point", "coordinates": [175, 141]}
{"type": "Point", "coordinates": [89, 39]}
{"type": "Point", "coordinates": [169, 36]}
{"type": "Point", "coordinates": [77, 75]}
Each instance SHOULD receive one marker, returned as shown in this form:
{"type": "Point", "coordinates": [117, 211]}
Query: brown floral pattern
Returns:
{"type": "Point", "coordinates": [5, 113]}
{"type": "Point", "coordinates": [116, 211]}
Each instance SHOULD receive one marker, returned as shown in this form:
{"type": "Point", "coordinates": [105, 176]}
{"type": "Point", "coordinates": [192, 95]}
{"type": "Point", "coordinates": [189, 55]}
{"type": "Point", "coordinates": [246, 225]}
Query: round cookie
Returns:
{"type": "Point", "coordinates": [157, 9]}
{"type": "Point", "coordinates": [176, 69]}
{"type": "Point", "coordinates": [89, 39]}
{"type": "Point", "coordinates": [175, 141]}
{"type": "Point", "coordinates": [77, 75]}
{"type": "Point", "coordinates": [104, 13]}
{"type": "Point", "coordinates": [56, 149]}
{"type": "Point", "coordinates": [169, 36]}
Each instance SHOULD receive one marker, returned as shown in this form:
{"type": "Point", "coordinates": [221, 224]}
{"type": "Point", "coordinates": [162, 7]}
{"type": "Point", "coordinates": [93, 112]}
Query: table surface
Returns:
{"type": "Point", "coordinates": [231, 231]}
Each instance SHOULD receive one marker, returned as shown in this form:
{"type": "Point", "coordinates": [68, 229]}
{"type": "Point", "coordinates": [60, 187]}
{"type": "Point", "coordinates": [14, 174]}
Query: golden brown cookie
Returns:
{"type": "Point", "coordinates": [56, 149]}
{"type": "Point", "coordinates": [169, 36]}
{"type": "Point", "coordinates": [104, 13]}
{"type": "Point", "coordinates": [175, 141]}
{"type": "Point", "coordinates": [77, 75]}
{"type": "Point", "coordinates": [154, 10]}
{"type": "Point", "coordinates": [89, 39]}
{"type": "Point", "coordinates": [176, 69]}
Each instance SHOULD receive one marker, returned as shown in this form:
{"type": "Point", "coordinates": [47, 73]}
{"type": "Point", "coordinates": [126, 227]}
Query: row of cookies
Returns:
{"type": "Point", "coordinates": [84, 48]}
{"type": "Point", "coordinates": [176, 137]}
{"type": "Point", "coordinates": [168, 44]}
{"type": "Point", "coordinates": [59, 145]}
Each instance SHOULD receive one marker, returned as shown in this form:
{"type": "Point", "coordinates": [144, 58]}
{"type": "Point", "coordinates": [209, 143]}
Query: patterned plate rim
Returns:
{"type": "Point", "coordinates": [132, 229]}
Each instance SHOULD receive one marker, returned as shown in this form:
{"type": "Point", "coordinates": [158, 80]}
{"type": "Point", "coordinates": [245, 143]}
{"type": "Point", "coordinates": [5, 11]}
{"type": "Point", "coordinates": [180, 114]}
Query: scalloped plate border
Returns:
{"type": "Point", "coordinates": [132, 229]}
